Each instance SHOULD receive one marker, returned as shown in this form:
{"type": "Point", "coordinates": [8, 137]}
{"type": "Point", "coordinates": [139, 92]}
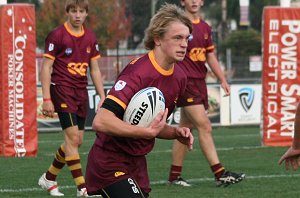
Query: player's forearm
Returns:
{"type": "Point", "coordinates": [97, 80]}
{"type": "Point", "coordinates": [215, 67]}
{"type": "Point", "coordinates": [106, 122]}
{"type": "Point", "coordinates": [46, 78]}
{"type": "Point", "coordinates": [168, 133]}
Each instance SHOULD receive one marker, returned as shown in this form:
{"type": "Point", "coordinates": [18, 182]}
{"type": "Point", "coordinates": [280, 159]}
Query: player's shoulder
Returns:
{"type": "Point", "coordinates": [136, 62]}
{"type": "Point", "coordinates": [57, 30]}
{"type": "Point", "coordinates": [206, 24]}
{"type": "Point", "coordinates": [89, 31]}
{"type": "Point", "coordinates": [179, 72]}
{"type": "Point", "coordinates": [56, 33]}
{"type": "Point", "coordinates": [203, 23]}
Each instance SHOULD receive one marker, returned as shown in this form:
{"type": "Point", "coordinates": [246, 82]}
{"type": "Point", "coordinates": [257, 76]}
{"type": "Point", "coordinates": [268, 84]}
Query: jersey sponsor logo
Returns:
{"type": "Point", "coordinates": [246, 96]}
{"type": "Point", "coordinates": [198, 54]}
{"type": "Point", "coordinates": [190, 100]}
{"type": "Point", "coordinates": [78, 68]}
{"type": "Point", "coordinates": [51, 47]}
{"type": "Point", "coordinates": [120, 85]}
{"type": "Point", "coordinates": [119, 173]}
{"type": "Point", "coordinates": [68, 51]}
{"type": "Point", "coordinates": [63, 105]}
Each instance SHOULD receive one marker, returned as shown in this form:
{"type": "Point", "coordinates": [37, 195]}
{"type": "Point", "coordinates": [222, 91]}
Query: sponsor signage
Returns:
{"type": "Point", "coordinates": [281, 74]}
{"type": "Point", "coordinates": [52, 124]}
{"type": "Point", "coordinates": [18, 134]}
{"type": "Point", "coordinates": [245, 103]}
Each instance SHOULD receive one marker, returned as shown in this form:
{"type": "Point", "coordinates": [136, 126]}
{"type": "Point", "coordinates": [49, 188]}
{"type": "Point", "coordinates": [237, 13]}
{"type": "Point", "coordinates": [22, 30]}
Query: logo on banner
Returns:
{"type": "Point", "coordinates": [246, 96]}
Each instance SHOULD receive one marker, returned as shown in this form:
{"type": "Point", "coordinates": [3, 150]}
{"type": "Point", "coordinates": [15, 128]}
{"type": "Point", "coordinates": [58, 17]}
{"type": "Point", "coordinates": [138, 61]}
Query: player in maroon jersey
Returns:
{"type": "Point", "coordinates": [70, 50]}
{"type": "Point", "coordinates": [194, 103]}
{"type": "Point", "coordinates": [117, 164]}
{"type": "Point", "coordinates": [291, 156]}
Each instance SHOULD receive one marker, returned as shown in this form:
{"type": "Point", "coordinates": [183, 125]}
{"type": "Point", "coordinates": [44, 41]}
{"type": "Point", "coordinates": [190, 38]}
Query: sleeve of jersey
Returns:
{"type": "Point", "coordinates": [114, 107]}
{"type": "Point", "coordinates": [127, 84]}
{"type": "Point", "coordinates": [51, 46]}
{"type": "Point", "coordinates": [210, 46]}
{"type": "Point", "coordinates": [95, 53]}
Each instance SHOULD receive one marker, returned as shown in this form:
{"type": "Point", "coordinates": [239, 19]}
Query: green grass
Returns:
{"type": "Point", "coordinates": [239, 149]}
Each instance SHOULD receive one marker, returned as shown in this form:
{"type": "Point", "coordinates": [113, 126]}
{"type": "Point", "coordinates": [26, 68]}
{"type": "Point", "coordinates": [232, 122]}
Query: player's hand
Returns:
{"type": "Point", "coordinates": [291, 159]}
{"type": "Point", "coordinates": [185, 137]}
{"type": "Point", "coordinates": [226, 88]}
{"type": "Point", "coordinates": [158, 123]}
{"type": "Point", "coordinates": [100, 104]}
{"type": "Point", "coordinates": [48, 109]}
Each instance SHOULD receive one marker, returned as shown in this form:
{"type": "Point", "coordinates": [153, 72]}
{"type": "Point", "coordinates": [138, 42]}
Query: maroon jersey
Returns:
{"type": "Point", "coordinates": [201, 44]}
{"type": "Point", "coordinates": [141, 73]}
{"type": "Point", "coordinates": [71, 54]}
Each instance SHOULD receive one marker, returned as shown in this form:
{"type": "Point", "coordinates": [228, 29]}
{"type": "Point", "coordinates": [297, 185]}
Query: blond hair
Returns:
{"type": "Point", "coordinates": [159, 23]}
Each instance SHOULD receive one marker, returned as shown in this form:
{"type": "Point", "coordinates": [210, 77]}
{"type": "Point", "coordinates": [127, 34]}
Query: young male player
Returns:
{"type": "Point", "coordinates": [70, 50]}
{"type": "Point", "coordinates": [117, 164]}
{"type": "Point", "coordinates": [194, 102]}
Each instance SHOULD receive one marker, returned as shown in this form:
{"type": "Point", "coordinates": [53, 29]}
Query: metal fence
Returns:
{"type": "Point", "coordinates": [236, 69]}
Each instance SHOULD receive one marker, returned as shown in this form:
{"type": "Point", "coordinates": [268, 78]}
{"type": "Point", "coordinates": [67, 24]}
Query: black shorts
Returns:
{"type": "Point", "coordinates": [127, 188]}
{"type": "Point", "coordinates": [70, 119]}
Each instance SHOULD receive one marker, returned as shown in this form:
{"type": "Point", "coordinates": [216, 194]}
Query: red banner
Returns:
{"type": "Point", "coordinates": [281, 74]}
{"type": "Point", "coordinates": [18, 132]}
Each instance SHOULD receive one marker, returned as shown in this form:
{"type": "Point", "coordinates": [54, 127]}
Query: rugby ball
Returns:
{"type": "Point", "coordinates": [144, 106]}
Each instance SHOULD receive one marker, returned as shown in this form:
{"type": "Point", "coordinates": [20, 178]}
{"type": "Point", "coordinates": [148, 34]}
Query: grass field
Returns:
{"type": "Point", "coordinates": [239, 150]}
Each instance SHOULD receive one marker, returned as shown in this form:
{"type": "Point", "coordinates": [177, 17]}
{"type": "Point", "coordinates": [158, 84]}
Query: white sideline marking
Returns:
{"type": "Point", "coordinates": [196, 180]}
{"type": "Point", "coordinates": [169, 150]}
{"type": "Point", "coordinates": [93, 139]}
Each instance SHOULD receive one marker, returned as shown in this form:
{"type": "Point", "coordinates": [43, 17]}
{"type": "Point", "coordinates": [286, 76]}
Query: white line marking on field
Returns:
{"type": "Point", "coordinates": [169, 150]}
{"type": "Point", "coordinates": [196, 180]}
{"type": "Point", "coordinates": [218, 149]}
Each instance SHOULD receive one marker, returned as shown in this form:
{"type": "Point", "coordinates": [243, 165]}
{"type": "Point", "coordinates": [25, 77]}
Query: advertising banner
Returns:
{"type": "Point", "coordinates": [52, 124]}
{"type": "Point", "coordinates": [245, 103]}
{"type": "Point", "coordinates": [18, 126]}
{"type": "Point", "coordinates": [281, 74]}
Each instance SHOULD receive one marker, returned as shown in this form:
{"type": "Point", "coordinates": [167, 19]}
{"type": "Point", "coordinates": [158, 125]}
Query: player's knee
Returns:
{"type": "Point", "coordinates": [205, 128]}
{"type": "Point", "coordinates": [73, 141]}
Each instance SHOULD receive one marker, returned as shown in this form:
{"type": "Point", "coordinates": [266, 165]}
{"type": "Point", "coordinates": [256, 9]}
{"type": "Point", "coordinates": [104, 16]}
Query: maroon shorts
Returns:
{"type": "Point", "coordinates": [106, 167]}
{"type": "Point", "coordinates": [70, 100]}
{"type": "Point", "coordinates": [195, 93]}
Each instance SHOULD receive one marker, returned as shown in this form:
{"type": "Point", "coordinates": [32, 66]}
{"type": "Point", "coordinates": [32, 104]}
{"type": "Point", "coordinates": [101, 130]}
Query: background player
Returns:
{"type": "Point", "coordinates": [117, 164]}
{"type": "Point", "coordinates": [70, 50]}
{"type": "Point", "coordinates": [194, 103]}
